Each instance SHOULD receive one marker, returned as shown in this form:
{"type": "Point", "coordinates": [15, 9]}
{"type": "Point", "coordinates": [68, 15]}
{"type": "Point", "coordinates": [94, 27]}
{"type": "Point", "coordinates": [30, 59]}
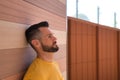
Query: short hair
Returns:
{"type": "Point", "coordinates": [33, 30]}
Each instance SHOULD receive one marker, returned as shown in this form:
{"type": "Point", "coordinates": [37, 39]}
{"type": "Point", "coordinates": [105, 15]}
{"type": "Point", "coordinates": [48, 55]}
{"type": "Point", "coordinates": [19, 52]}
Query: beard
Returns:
{"type": "Point", "coordinates": [53, 48]}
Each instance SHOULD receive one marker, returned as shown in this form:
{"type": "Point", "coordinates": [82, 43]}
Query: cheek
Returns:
{"type": "Point", "coordinates": [47, 42]}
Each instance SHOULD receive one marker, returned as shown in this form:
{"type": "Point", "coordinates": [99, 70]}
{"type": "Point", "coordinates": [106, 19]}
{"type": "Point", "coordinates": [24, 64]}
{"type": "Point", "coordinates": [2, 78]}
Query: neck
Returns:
{"type": "Point", "coordinates": [49, 57]}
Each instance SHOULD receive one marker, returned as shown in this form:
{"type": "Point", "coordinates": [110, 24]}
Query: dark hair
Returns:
{"type": "Point", "coordinates": [33, 31]}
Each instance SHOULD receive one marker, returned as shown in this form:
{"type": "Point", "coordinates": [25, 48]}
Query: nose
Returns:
{"type": "Point", "coordinates": [54, 38]}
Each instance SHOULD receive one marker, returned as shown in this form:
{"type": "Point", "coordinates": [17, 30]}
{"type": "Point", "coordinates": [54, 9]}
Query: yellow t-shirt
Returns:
{"type": "Point", "coordinates": [42, 70]}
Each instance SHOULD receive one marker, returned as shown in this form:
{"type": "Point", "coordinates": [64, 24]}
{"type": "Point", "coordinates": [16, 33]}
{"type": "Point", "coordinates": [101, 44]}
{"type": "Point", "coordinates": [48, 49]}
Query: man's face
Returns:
{"type": "Point", "coordinates": [48, 40]}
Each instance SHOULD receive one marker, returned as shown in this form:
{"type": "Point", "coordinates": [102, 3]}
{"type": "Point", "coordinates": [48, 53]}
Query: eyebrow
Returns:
{"type": "Point", "coordinates": [50, 34]}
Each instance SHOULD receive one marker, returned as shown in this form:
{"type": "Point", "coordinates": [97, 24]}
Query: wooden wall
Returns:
{"type": "Point", "coordinates": [82, 50]}
{"type": "Point", "coordinates": [119, 54]}
{"type": "Point", "coordinates": [93, 51]}
{"type": "Point", "coordinates": [15, 17]}
{"type": "Point", "coordinates": [108, 53]}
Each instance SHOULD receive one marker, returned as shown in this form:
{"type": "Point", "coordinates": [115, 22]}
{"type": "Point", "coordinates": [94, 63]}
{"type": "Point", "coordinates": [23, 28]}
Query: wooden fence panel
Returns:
{"type": "Point", "coordinates": [93, 51]}
{"type": "Point", "coordinates": [107, 53]}
{"type": "Point", "coordinates": [82, 50]}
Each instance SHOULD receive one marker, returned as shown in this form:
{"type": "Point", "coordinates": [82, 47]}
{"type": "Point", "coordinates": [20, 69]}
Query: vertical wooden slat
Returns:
{"type": "Point", "coordinates": [79, 71]}
{"type": "Point", "coordinates": [72, 50]}
{"type": "Point", "coordinates": [72, 74]}
{"type": "Point", "coordinates": [85, 52]}
{"type": "Point", "coordinates": [118, 55]}
{"type": "Point", "coordinates": [72, 36]}
{"type": "Point", "coordinates": [79, 50]}
{"type": "Point", "coordinates": [90, 54]}
{"type": "Point", "coordinates": [107, 53]}
{"type": "Point", "coordinates": [97, 52]}
{"type": "Point", "coordinates": [85, 49]}
{"type": "Point", "coordinates": [115, 56]}
{"type": "Point", "coordinates": [79, 42]}
{"type": "Point", "coordinates": [94, 52]}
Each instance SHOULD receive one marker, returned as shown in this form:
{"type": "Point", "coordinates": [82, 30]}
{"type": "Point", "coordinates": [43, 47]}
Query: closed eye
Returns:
{"type": "Point", "coordinates": [50, 35]}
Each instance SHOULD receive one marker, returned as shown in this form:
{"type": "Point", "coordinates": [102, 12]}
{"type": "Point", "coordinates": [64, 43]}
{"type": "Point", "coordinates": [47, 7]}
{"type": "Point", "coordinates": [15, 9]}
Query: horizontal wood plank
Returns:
{"type": "Point", "coordinates": [63, 1]}
{"type": "Point", "coordinates": [53, 6]}
{"type": "Point", "coordinates": [17, 76]}
{"type": "Point", "coordinates": [13, 61]}
{"type": "Point", "coordinates": [25, 13]}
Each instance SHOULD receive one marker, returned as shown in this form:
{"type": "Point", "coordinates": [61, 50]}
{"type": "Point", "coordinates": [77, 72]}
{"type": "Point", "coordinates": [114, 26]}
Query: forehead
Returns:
{"type": "Point", "coordinates": [45, 30]}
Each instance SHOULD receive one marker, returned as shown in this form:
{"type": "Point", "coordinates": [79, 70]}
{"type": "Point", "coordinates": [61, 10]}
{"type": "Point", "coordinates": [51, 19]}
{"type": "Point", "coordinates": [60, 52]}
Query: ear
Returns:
{"type": "Point", "coordinates": [35, 43]}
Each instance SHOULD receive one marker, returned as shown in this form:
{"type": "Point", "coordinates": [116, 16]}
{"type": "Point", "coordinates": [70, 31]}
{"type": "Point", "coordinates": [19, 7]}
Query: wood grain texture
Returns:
{"type": "Point", "coordinates": [15, 17]}
{"type": "Point", "coordinates": [82, 50]}
{"type": "Point", "coordinates": [12, 35]}
{"type": "Point", "coordinates": [108, 54]}
{"type": "Point", "coordinates": [54, 6]}
{"type": "Point", "coordinates": [71, 41]}
{"type": "Point", "coordinates": [25, 13]}
{"type": "Point", "coordinates": [91, 58]}
{"type": "Point", "coordinates": [13, 61]}
{"type": "Point", "coordinates": [119, 54]}
{"type": "Point", "coordinates": [17, 76]}
{"type": "Point", "coordinates": [63, 1]}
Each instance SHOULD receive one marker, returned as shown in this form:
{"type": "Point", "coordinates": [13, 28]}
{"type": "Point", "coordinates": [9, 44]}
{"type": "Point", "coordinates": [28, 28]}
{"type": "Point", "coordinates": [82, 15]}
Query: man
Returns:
{"type": "Point", "coordinates": [44, 43]}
